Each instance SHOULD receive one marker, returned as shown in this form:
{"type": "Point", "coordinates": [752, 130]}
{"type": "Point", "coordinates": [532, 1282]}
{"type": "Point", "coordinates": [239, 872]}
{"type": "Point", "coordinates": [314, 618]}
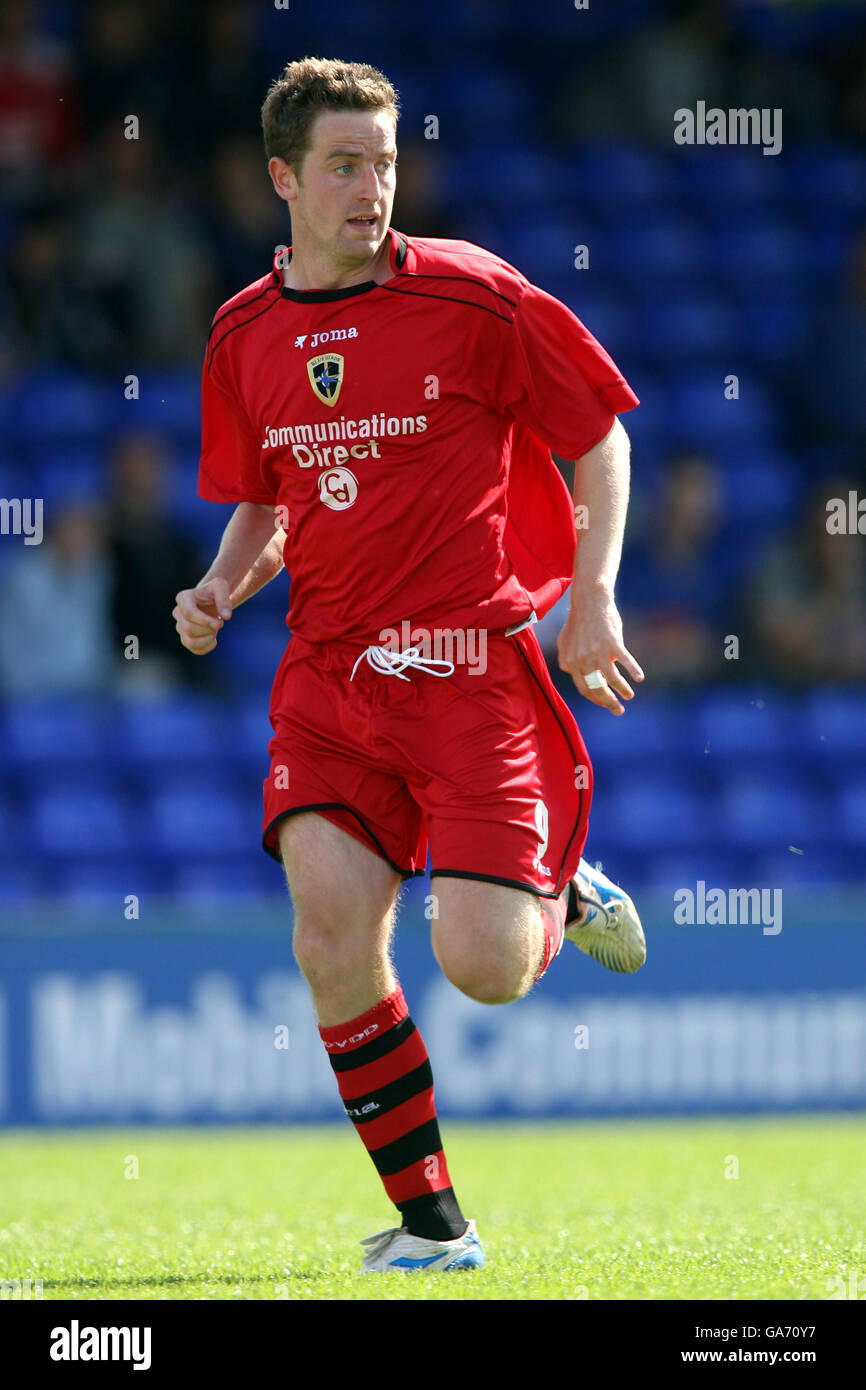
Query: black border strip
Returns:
{"type": "Point", "coordinates": [448, 298]}
{"type": "Point", "coordinates": [491, 878]}
{"type": "Point", "coordinates": [463, 279]}
{"type": "Point", "coordinates": [244, 304]}
{"type": "Point", "coordinates": [325, 296]}
{"type": "Point", "coordinates": [243, 322]}
{"type": "Point", "coordinates": [336, 806]}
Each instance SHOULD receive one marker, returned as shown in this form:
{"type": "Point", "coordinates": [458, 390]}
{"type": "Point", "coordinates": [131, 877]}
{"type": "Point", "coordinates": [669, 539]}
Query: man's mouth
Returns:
{"type": "Point", "coordinates": [363, 221]}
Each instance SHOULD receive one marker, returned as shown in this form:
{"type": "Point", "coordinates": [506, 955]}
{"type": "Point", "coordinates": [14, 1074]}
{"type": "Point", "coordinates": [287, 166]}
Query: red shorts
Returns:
{"type": "Point", "coordinates": [488, 769]}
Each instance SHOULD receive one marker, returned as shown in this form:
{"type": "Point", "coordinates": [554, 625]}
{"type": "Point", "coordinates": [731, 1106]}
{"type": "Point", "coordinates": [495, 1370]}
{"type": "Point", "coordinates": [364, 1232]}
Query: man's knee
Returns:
{"type": "Point", "coordinates": [480, 973]}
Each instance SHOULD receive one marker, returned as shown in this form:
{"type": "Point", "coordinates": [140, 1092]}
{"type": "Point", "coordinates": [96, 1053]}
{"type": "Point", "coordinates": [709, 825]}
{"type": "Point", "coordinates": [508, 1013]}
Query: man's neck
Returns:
{"type": "Point", "coordinates": [306, 273]}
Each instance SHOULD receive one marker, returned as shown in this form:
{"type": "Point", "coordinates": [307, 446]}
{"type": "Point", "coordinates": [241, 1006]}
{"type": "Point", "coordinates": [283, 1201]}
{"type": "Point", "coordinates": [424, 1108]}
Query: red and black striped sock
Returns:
{"type": "Point", "coordinates": [386, 1083]}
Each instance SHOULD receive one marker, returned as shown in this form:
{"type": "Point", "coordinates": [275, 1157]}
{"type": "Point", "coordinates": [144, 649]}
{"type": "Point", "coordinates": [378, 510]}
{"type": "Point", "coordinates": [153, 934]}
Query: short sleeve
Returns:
{"type": "Point", "coordinates": [230, 463]}
{"type": "Point", "coordinates": [558, 379]}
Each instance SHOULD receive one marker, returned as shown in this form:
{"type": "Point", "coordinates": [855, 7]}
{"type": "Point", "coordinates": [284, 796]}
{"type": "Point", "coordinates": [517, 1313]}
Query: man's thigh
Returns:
{"type": "Point", "coordinates": [486, 930]}
{"type": "Point", "coordinates": [337, 884]}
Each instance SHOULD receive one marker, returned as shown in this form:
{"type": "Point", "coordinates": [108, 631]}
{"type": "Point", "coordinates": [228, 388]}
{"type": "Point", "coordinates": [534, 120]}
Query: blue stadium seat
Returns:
{"type": "Point", "coordinates": [53, 732]}
{"type": "Point", "coordinates": [761, 251]}
{"type": "Point", "coordinates": [667, 252]}
{"type": "Point", "coordinates": [765, 811]}
{"type": "Point", "coordinates": [606, 175]}
{"type": "Point", "coordinates": [186, 727]}
{"type": "Point", "coordinates": [243, 876]}
{"type": "Point", "coordinates": [111, 882]}
{"type": "Point", "coordinates": [543, 250]}
{"type": "Point", "coordinates": [19, 883]}
{"type": "Point", "coordinates": [251, 733]}
{"type": "Point", "coordinates": [481, 100]}
{"type": "Point", "coordinates": [66, 823]}
{"type": "Point", "coordinates": [83, 478]}
{"type": "Point", "coordinates": [827, 177]}
{"type": "Point", "coordinates": [169, 401]}
{"type": "Point", "coordinates": [852, 819]}
{"type": "Point", "coordinates": [730, 176]}
{"type": "Point", "coordinates": [183, 823]}
{"type": "Point", "coordinates": [690, 326]}
{"type": "Point", "coordinates": [818, 867]}
{"type": "Point", "coordinates": [775, 326]}
{"type": "Point", "coordinates": [648, 732]}
{"type": "Point", "coordinates": [744, 726]}
{"type": "Point", "coordinates": [649, 815]}
{"type": "Point", "coordinates": [701, 415]}
{"type": "Point", "coordinates": [760, 486]}
{"type": "Point", "coordinates": [713, 863]}
{"type": "Point", "coordinates": [60, 405]}
{"type": "Point", "coordinates": [834, 725]}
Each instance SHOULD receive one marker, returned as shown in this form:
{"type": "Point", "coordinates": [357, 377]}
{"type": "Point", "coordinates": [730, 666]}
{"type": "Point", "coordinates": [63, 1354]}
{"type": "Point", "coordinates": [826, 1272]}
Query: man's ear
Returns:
{"type": "Point", "coordinates": [283, 178]}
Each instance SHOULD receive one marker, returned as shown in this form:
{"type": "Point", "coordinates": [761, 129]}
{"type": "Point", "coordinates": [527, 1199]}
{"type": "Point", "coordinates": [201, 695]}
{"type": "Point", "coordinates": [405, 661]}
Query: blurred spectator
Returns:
{"type": "Point", "coordinates": [635, 89]}
{"type": "Point", "coordinates": [151, 562]}
{"type": "Point", "coordinates": [124, 68]}
{"type": "Point", "coordinates": [832, 369]}
{"type": "Point", "coordinates": [675, 582]}
{"type": "Point", "coordinates": [419, 204]}
{"type": "Point", "coordinates": [140, 256]}
{"type": "Point", "coordinates": [806, 608]}
{"type": "Point", "coordinates": [46, 327]}
{"type": "Point", "coordinates": [247, 219]}
{"type": "Point", "coordinates": [673, 585]}
{"type": "Point", "coordinates": [55, 636]}
{"type": "Point", "coordinates": [228, 90]}
{"type": "Point", "coordinates": [39, 124]}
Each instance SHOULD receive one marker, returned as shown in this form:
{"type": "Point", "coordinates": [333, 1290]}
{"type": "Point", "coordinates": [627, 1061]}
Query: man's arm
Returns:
{"type": "Point", "coordinates": [591, 639]}
{"type": "Point", "coordinates": [250, 555]}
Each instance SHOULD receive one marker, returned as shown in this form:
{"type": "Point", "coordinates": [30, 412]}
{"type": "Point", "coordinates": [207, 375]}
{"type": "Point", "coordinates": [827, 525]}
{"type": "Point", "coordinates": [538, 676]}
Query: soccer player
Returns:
{"type": "Point", "coordinates": [391, 403]}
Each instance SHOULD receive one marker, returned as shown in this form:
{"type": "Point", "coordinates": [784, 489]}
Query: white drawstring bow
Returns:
{"type": "Point", "coordinates": [390, 663]}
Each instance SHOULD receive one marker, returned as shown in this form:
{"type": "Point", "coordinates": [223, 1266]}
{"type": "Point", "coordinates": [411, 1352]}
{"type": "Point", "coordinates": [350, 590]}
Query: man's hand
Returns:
{"type": "Point", "coordinates": [592, 641]}
{"type": "Point", "coordinates": [199, 614]}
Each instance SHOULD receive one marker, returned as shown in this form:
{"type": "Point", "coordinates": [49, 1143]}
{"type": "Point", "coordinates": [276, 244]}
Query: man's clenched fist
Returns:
{"type": "Point", "coordinates": [199, 614]}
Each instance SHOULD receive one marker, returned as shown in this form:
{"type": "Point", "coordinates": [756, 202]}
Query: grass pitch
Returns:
{"type": "Point", "coordinates": [574, 1210]}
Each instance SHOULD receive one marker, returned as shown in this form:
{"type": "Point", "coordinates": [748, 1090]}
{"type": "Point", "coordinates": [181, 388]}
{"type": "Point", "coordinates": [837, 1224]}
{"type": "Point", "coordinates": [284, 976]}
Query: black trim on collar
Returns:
{"type": "Point", "coordinates": [323, 296]}
{"type": "Point", "coordinates": [402, 251]}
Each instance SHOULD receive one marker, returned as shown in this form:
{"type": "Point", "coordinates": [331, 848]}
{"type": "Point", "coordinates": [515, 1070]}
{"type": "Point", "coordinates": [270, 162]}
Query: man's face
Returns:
{"type": "Point", "coordinates": [341, 204]}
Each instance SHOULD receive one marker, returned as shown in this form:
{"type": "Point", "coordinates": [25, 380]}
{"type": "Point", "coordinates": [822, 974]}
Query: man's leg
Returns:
{"type": "Point", "coordinates": [343, 896]}
{"type": "Point", "coordinates": [491, 941]}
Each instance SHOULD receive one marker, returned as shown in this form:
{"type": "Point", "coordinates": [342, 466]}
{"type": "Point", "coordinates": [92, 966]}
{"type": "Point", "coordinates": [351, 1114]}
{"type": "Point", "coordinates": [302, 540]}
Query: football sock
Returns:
{"type": "Point", "coordinates": [386, 1084]}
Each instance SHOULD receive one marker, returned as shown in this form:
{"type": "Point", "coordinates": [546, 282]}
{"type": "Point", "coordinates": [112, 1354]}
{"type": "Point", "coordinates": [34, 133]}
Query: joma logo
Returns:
{"type": "Point", "coordinates": [332, 335]}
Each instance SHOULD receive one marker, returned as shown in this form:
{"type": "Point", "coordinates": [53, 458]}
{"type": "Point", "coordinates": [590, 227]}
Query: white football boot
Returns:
{"type": "Point", "coordinates": [397, 1249]}
{"type": "Point", "coordinates": [609, 930]}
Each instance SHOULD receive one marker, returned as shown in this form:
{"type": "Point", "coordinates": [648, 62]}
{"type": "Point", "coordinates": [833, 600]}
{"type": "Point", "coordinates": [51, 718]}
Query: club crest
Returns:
{"type": "Point", "coordinates": [326, 376]}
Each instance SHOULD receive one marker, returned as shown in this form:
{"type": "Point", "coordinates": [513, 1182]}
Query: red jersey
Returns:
{"type": "Point", "coordinates": [405, 430]}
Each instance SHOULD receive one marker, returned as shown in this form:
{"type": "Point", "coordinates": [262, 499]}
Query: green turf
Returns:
{"type": "Point", "coordinates": [613, 1211]}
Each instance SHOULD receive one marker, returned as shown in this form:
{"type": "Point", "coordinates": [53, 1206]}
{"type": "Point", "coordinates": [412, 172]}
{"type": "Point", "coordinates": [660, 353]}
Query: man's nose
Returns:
{"type": "Point", "coordinates": [371, 186]}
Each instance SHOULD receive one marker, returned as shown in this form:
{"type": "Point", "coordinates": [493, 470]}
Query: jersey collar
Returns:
{"type": "Point", "coordinates": [398, 257]}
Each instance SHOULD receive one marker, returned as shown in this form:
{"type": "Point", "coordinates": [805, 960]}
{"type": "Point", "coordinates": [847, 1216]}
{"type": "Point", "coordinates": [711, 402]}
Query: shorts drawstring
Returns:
{"type": "Point", "coordinates": [390, 663]}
